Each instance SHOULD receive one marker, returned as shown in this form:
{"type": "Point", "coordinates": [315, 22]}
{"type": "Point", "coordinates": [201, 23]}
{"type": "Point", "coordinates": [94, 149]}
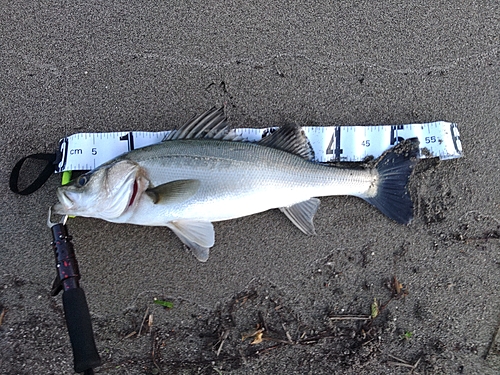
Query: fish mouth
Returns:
{"type": "Point", "coordinates": [65, 203]}
{"type": "Point", "coordinates": [134, 193]}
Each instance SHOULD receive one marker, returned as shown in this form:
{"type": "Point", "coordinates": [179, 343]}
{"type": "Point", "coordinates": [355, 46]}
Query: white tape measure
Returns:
{"type": "Point", "coordinates": [85, 151]}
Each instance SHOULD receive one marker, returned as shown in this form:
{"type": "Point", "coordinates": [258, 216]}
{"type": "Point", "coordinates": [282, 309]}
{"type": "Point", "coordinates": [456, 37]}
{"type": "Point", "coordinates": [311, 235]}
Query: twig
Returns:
{"type": "Point", "coordinates": [263, 321]}
{"type": "Point", "coordinates": [349, 317]}
{"type": "Point", "coordinates": [130, 335]}
{"type": "Point", "coordinates": [268, 349]}
{"type": "Point", "coordinates": [274, 339]}
{"type": "Point", "coordinates": [403, 363]}
{"type": "Point", "coordinates": [2, 315]}
{"type": "Point", "coordinates": [143, 320]}
{"type": "Point", "coordinates": [407, 365]}
{"type": "Point", "coordinates": [287, 334]}
{"type": "Point", "coordinates": [153, 355]}
{"type": "Point", "coordinates": [367, 342]}
{"type": "Point", "coordinates": [150, 321]}
{"type": "Point", "coordinates": [397, 359]}
{"type": "Point", "coordinates": [416, 363]}
{"type": "Point", "coordinates": [224, 336]}
{"type": "Point", "coordinates": [494, 348]}
{"type": "Point", "coordinates": [314, 339]}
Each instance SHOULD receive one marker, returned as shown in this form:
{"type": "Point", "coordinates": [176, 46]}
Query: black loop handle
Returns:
{"type": "Point", "coordinates": [52, 159]}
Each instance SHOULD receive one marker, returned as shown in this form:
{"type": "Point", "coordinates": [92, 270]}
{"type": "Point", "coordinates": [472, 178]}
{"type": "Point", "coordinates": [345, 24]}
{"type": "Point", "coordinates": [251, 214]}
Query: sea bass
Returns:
{"type": "Point", "coordinates": [203, 173]}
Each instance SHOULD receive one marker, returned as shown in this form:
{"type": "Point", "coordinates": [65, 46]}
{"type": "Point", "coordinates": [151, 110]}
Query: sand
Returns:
{"type": "Point", "coordinates": [94, 67]}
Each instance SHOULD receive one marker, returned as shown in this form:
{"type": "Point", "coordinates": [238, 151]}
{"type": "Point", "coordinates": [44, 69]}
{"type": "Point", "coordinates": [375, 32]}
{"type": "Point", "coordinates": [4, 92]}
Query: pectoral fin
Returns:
{"type": "Point", "coordinates": [302, 214]}
{"type": "Point", "coordinates": [199, 236]}
{"type": "Point", "coordinates": [173, 191]}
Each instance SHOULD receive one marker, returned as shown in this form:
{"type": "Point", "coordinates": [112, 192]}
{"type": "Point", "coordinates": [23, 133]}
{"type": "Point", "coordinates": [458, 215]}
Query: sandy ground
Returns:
{"type": "Point", "coordinates": [150, 66]}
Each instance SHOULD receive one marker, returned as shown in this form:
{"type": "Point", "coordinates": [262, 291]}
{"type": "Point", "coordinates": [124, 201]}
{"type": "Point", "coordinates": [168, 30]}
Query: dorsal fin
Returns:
{"type": "Point", "coordinates": [211, 124]}
{"type": "Point", "coordinates": [290, 138]}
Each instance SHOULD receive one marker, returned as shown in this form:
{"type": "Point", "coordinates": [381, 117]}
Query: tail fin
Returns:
{"type": "Point", "coordinates": [394, 168]}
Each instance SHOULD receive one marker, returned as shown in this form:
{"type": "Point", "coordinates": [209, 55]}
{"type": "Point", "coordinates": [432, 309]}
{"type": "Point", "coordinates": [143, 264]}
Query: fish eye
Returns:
{"type": "Point", "coordinates": [82, 180]}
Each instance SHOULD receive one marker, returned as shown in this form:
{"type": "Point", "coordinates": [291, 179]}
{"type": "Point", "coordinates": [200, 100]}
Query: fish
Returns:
{"type": "Point", "coordinates": [204, 173]}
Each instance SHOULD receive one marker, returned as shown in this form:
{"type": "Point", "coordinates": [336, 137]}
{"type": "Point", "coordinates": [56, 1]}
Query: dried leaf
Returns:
{"type": "Point", "coordinates": [252, 333]}
{"type": "Point", "coordinates": [258, 338]}
{"type": "Point", "coordinates": [374, 309]}
{"type": "Point", "coordinates": [397, 285]}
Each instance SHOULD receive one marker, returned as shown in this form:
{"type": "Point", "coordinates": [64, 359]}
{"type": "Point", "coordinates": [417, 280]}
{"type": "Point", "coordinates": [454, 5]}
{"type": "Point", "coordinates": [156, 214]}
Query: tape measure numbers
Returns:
{"type": "Point", "coordinates": [86, 151]}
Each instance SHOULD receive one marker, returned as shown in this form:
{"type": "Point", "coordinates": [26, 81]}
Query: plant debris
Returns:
{"type": "Point", "coordinates": [257, 334]}
{"type": "Point", "coordinates": [166, 304]}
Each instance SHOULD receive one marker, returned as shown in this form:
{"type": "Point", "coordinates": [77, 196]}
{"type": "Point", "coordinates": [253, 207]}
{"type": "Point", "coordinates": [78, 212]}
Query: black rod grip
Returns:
{"type": "Point", "coordinates": [80, 331]}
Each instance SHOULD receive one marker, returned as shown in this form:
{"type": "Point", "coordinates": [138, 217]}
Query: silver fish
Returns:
{"type": "Point", "coordinates": [203, 173]}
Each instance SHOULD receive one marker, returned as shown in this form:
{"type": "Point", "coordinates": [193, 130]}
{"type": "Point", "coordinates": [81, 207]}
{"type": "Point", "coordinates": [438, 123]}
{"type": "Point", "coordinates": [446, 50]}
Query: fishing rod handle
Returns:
{"type": "Point", "coordinates": [76, 312]}
{"type": "Point", "coordinates": [66, 264]}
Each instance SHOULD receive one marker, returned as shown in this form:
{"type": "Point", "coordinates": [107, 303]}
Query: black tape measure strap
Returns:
{"type": "Point", "coordinates": [52, 161]}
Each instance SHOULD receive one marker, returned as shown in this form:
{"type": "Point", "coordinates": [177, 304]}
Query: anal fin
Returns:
{"type": "Point", "coordinates": [199, 236]}
{"type": "Point", "coordinates": [302, 214]}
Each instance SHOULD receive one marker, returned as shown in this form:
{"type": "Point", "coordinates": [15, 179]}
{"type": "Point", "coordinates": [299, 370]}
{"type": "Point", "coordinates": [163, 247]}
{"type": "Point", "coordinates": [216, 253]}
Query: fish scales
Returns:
{"type": "Point", "coordinates": [240, 179]}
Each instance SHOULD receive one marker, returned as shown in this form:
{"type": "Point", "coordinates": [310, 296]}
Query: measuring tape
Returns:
{"type": "Point", "coordinates": [86, 151]}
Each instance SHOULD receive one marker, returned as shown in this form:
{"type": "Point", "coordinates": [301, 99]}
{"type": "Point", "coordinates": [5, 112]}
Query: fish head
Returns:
{"type": "Point", "coordinates": [106, 192]}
